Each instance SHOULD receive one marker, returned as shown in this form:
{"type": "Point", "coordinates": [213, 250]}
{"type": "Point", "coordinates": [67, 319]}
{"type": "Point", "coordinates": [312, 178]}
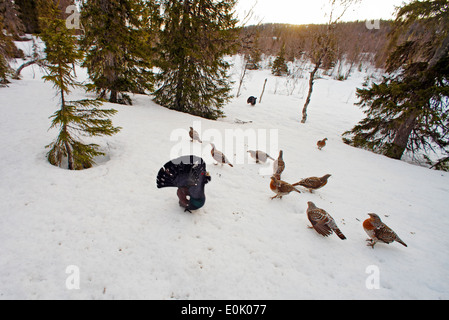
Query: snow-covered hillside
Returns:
{"type": "Point", "coordinates": [128, 240]}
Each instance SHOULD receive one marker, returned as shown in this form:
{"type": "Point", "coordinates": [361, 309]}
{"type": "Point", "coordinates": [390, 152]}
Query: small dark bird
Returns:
{"type": "Point", "coordinates": [260, 156]}
{"type": "Point", "coordinates": [321, 144]}
{"type": "Point", "coordinates": [281, 188]}
{"type": "Point", "coordinates": [189, 175]}
{"type": "Point", "coordinates": [379, 231]}
{"type": "Point", "coordinates": [313, 183]}
{"type": "Point", "coordinates": [194, 135]}
{"type": "Point", "coordinates": [322, 221]}
{"type": "Point", "coordinates": [279, 165]}
{"type": "Point", "coordinates": [252, 101]}
{"type": "Point", "coordinates": [219, 156]}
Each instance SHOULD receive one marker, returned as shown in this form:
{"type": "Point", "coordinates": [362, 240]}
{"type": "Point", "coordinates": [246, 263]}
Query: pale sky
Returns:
{"type": "Point", "coordinates": [314, 11]}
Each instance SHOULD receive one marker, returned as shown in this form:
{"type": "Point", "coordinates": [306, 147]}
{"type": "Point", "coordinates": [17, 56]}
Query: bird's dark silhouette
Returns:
{"type": "Point", "coordinates": [252, 101]}
{"type": "Point", "coordinates": [189, 175]}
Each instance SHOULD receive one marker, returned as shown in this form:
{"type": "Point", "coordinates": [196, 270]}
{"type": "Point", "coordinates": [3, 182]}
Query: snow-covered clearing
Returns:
{"type": "Point", "coordinates": [129, 240]}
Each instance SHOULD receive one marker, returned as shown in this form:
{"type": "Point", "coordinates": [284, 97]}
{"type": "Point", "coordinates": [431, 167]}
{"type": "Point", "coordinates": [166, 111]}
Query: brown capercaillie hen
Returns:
{"type": "Point", "coordinates": [313, 183]}
{"type": "Point", "coordinates": [260, 156]}
{"type": "Point", "coordinates": [379, 231]}
{"type": "Point", "coordinates": [321, 144]}
{"type": "Point", "coordinates": [322, 221]}
{"type": "Point", "coordinates": [279, 165]}
{"type": "Point", "coordinates": [194, 135]}
{"type": "Point", "coordinates": [219, 156]}
{"type": "Point", "coordinates": [281, 188]}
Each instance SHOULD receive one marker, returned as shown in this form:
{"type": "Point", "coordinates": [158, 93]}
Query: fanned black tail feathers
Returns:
{"type": "Point", "coordinates": [183, 172]}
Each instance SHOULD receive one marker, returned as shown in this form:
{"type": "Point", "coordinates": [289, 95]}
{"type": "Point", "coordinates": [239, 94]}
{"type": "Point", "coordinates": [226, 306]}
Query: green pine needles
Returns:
{"type": "Point", "coordinates": [74, 119]}
{"type": "Point", "coordinates": [119, 39]}
{"type": "Point", "coordinates": [279, 67]}
{"type": "Point", "coordinates": [408, 111]}
{"type": "Point", "coordinates": [196, 36]}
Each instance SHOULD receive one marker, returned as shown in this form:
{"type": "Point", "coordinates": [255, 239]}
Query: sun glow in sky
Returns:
{"type": "Point", "coordinates": [313, 11]}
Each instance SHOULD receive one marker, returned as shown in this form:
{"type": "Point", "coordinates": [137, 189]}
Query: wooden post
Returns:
{"type": "Point", "coordinates": [263, 91]}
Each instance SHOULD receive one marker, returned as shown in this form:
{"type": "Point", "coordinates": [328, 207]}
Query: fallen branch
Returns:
{"type": "Point", "coordinates": [238, 121]}
{"type": "Point", "coordinates": [27, 64]}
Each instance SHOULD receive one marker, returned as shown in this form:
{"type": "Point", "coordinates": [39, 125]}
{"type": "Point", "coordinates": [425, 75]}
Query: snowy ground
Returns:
{"type": "Point", "coordinates": [129, 240]}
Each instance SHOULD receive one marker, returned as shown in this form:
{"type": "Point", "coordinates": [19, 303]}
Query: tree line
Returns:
{"type": "Point", "coordinates": [355, 41]}
{"type": "Point", "coordinates": [175, 51]}
{"type": "Point", "coordinates": [121, 43]}
{"type": "Point", "coordinates": [407, 111]}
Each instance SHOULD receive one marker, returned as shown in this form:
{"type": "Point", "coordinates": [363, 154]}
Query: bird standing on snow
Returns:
{"type": "Point", "coordinates": [322, 221]}
{"type": "Point", "coordinates": [321, 144]}
{"type": "Point", "coordinates": [281, 188]}
{"type": "Point", "coordinates": [219, 156]}
{"type": "Point", "coordinates": [379, 231]}
{"type": "Point", "coordinates": [252, 101]}
{"type": "Point", "coordinates": [279, 165]}
{"type": "Point", "coordinates": [194, 135]}
{"type": "Point", "coordinates": [313, 183]}
{"type": "Point", "coordinates": [260, 156]}
{"type": "Point", "coordinates": [189, 175]}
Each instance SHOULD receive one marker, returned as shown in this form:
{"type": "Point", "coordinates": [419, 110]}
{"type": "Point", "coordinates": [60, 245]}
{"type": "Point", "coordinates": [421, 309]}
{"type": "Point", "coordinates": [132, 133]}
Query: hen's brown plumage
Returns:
{"type": "Point", "coordinates": [313, 183]}
{"type": "Point", "coordinates": [219, 156]}
{"type": "Point", "coordinates": [322, 221]}
{"type": "Point", "coordinates": [379, 231]}
{"type": "Point", "coordinates": [194, 135]}
{"type": "Point", "coordinates": [281, 188]}
{"type": "Point", "coordinates": [260, 156]}
{"type": "Point", "coordinates": [279, 165]}
{"type": "Point", "coordinates": [321, 144]}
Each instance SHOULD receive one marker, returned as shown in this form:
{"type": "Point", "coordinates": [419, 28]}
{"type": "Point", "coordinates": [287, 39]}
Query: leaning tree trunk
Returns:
{"type": "Point", "coordinates": [309, 96]}
{"type": "Point", "coordinates": [242, 76]}
{"type": "Point", "coordinates": [26, 64]}
{"type": "Point", "coordinates": [400, 142]}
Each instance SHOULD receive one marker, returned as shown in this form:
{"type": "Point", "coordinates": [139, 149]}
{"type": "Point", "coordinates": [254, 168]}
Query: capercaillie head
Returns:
{"type": "Point", "coordinates": [375, 220]}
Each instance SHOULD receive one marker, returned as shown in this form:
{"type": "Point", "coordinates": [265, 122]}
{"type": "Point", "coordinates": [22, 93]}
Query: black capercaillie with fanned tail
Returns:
{"type": "Point", "coordinates": [189, 175]}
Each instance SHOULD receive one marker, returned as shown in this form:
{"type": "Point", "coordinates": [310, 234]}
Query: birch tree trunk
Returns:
{"type": "Point", "coordinates": [309, 95]}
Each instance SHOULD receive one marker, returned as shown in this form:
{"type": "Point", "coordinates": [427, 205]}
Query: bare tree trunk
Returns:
{"type": "Point", "coordinates": [324, 45]}
{"type": "Point", "coordinates": [348, 73]}
{"type": "Point", "coordinates": [309, 96]}
{"type": "Point", "coordinates": [65, 129]}
{"type": "Point", "coordinates": [242, 75]}
{"type": "Point", "coordinates": [400, 142]}
{"type": "Point", "coordinates": [69, 155]}
{"type": "Point", "coordinates": [114, 96]}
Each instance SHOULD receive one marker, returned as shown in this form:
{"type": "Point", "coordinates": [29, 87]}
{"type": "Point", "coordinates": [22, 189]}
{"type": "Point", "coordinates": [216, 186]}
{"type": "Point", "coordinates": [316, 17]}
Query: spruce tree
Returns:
{"type": "Point", "coordinates": [408, 109]}
{"type": "Point", "coordinates": [196, 37]}
{"type": "Point", "coordinates": [254, 55]}
{"type": "Point", "coordinates": [279, 67]}
{"type": "Point", "coordinates": [119, 37]}
{"type": "Point", "coordinates": [74, 119]}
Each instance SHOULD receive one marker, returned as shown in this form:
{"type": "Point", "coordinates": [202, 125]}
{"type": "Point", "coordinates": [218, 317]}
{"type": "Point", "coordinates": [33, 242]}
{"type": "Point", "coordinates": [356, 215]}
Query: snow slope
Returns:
{"type": "Point", "coordinates": [129, 240]}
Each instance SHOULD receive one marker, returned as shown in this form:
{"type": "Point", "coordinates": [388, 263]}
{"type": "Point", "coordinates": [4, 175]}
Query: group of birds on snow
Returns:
{"type": "Point", "coordinates": [190, 176]}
